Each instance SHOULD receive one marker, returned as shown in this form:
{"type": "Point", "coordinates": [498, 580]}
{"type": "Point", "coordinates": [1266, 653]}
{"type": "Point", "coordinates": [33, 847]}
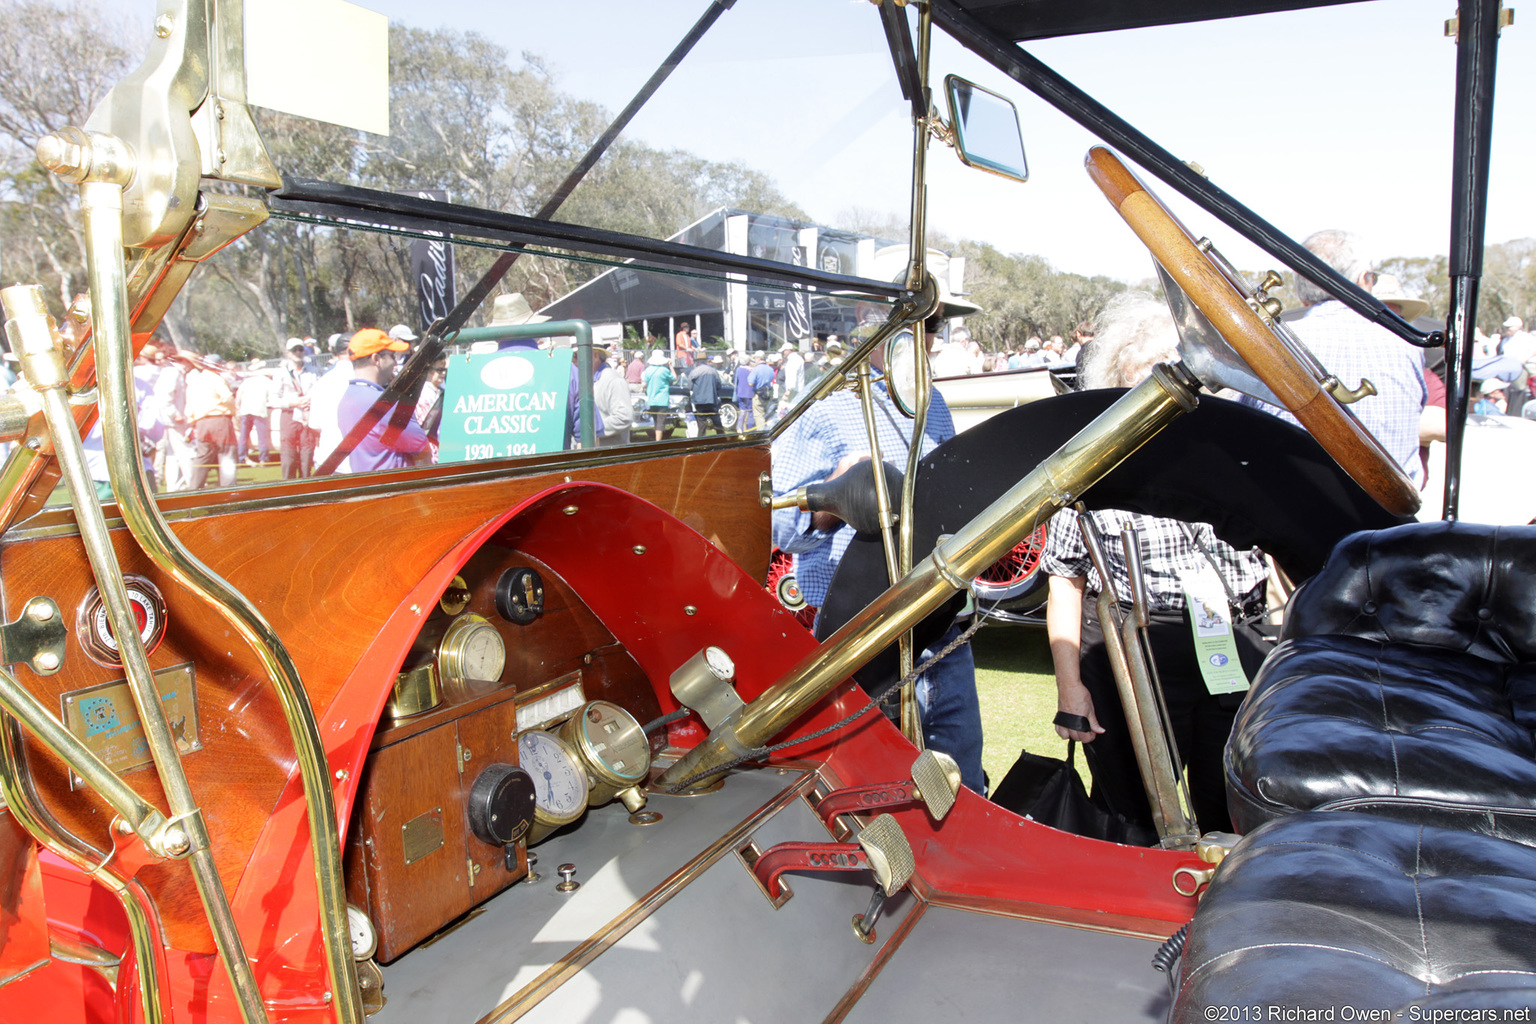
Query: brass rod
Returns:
{"type": "Point", "coordinates": [144, 818]}
{"type": "Point", "coordinates": [120, 441]}
{"type": "Point", "coordinates": [70, 453]}
{"type": "Point", "coordinates": [901, 316]}
{"type": "Point", "coordinates": [911, 714]}
{"type": "Point", "coordinates": [1137, 698]}
{"type": "Point", "coordinates": [893, 568]}
{"type": "Point", "coordinates": [1055, 483]}
{"type": "Point", "coordinates": [21, 799]}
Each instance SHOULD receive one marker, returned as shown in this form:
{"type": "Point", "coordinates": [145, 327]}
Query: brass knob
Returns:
{"type": "Point", "coordinates": [1272, 279]}
{"type": "Point", "coordinates": [567, 873]}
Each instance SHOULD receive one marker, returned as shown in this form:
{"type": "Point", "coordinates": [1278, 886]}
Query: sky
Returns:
{"type": "Point", "coordinates": [1335, 117]}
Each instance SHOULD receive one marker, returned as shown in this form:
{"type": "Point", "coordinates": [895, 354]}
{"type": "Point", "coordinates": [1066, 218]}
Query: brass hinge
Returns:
{"type": "Point", "coordinates": [1453, 24]}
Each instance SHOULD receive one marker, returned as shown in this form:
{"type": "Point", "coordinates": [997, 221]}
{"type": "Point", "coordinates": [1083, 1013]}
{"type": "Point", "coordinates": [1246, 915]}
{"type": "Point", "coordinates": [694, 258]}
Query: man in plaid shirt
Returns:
{"type": "Point", "coordinates": [1136, 331]}
{"type": "Point", "coordinates": [822, 444]}
{"type": "Point", "coordinates": [1354, 349]}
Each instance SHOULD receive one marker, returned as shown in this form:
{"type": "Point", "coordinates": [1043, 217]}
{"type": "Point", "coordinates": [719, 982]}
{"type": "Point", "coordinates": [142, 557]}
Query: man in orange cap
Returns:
{"type": "Point", "coordinates": [373, 356]}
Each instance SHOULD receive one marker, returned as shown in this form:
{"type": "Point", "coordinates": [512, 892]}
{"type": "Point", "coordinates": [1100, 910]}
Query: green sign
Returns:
{"type": "Point", "coordinates": [498, 404]}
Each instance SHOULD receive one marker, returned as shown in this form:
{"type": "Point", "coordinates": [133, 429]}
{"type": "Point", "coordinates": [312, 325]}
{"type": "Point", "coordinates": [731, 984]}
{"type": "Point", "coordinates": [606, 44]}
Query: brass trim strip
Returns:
{"type": "Point", "coordinates": [1067, 917]}
{"type": "Point", "coordinates": [102, 204]}
{"type": "Point", "coordinates": [21, 798]}
{"type": "Point", "coordinates": [882, 957]}
{"type": "Point", "coordinates": [601, 941]}
{"type": "Point", "coordinates": [184, 505]}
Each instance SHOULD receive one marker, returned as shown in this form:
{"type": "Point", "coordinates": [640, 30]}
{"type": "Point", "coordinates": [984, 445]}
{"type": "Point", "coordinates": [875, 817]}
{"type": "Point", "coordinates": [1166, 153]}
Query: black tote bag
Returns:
{"type": "Point", "coordinates": [1049, 790]}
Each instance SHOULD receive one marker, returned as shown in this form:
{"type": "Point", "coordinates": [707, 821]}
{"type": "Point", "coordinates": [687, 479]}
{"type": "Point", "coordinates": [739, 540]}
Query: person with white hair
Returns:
{"type": "Point", "coordinates": [1354, 349]}
{"type": "Point", "coordinates": [1178, 560]}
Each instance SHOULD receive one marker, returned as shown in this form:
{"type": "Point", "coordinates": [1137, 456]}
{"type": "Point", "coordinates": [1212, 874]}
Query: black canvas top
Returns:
{"type": "Point", "coordinates": [1038, 19]}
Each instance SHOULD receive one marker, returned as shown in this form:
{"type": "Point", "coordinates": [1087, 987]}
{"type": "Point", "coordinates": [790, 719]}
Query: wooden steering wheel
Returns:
{"type": "Point", "coordinates": [1341, 435]}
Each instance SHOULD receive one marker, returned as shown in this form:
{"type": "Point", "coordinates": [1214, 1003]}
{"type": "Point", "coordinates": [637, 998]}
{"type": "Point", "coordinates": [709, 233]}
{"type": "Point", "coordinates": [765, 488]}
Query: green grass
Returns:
{"type": "Point", "coordinates": [1017, 688]}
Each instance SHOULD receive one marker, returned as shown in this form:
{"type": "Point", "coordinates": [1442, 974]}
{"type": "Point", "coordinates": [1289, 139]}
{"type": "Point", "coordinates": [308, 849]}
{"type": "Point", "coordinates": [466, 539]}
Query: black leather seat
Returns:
{"type": "Point", "coordinates": [1321, 911]}
{"type": "Point", "coordinates": [1406, 686]}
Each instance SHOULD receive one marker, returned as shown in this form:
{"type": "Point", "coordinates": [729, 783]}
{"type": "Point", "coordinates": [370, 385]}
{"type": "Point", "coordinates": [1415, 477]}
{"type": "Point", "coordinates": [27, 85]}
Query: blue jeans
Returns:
{"type": "Point", "coordinates": [946, 699]}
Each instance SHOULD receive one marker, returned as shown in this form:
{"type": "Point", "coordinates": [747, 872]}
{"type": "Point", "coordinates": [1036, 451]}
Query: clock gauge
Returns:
{"type": "Point", "coordinates": [560, 784]}
{"type": "Point", "coordinates": [470, 658]}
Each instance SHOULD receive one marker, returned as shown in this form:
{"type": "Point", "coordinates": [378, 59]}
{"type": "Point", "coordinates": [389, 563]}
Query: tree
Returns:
{"type": "Point", "coordinates": [56, 62]}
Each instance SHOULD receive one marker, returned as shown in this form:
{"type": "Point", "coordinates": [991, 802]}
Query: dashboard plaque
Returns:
{"type": "Point", "coordinates": [106, 720]}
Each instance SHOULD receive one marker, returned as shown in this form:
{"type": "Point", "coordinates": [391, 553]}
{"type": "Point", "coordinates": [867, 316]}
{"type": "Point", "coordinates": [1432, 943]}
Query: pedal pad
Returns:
{"type": "Point", "coordinates": [934, 783]}
{"type": "Point", "coordinates": [889, 853]}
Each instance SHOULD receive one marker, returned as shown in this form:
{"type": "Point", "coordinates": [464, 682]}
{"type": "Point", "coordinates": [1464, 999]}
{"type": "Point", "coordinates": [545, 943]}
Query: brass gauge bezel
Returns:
{"type": "Point", "coordinates": [453, 655]}
{"type": "Point", "coordinates": [546, 821]}
{"type": "Point", "coordinates": [607, 781]}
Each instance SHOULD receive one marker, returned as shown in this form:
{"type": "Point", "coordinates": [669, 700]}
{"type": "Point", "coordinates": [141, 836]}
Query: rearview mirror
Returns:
{"type": "Point", "coordinates": [986, 128]}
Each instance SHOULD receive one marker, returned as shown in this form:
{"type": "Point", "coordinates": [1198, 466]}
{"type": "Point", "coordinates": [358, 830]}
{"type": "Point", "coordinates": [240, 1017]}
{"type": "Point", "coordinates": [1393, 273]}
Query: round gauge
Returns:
{"type": "Point", "coordinates": [470, 657]}
{"type": "Point", "coordinates": [720, 663]}
{"type": "Point", "coordinates": [611, 744]}
{"type": "Point", "coordinates": [560, 786]}
{"type": "Point", "coordinates": [365, 939]}
{"type": "Point", "coordinates": [501, 804]}
{"type": "Point", "coordinates": [520, 595]}
{"type": "Point", "coordinates": [94, 629]}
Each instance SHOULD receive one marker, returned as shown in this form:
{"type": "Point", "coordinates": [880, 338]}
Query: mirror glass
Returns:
{"type": "Point", "coordinates": [901, 373]}
{"type": "Point", "coordinates": [986, 129]}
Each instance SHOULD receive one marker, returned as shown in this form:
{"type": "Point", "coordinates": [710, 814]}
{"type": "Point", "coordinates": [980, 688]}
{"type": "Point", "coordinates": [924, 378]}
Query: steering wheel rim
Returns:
{"type": "Point", "coordinates": [1350, 444]}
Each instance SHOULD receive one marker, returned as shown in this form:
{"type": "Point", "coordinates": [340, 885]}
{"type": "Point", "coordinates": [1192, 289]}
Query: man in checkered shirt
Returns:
{"type": "Point", "coordinates": [1135, 332]}
{"type": "Point", "coordinates": [1352, 348]}
{"type": "Point", "coordinates": [822, 444]}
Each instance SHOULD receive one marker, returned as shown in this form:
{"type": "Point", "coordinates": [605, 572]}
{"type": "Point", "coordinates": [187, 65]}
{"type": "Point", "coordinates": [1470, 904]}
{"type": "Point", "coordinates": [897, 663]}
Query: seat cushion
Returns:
{"type": "Point", "coordinates": [1332, 909]}
{"type": "Point", "coordinates": [1339, 717]}
{"type": "Point", "coordinates": [1455, 586]}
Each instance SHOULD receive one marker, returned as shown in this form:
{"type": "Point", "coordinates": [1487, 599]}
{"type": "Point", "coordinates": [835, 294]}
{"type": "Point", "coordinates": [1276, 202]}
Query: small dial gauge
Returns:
{"type": "Point", "coordinates": [720, 663]}
{"type": "Point", "coordinates": [610, 742]}
{"type": "Point", "coordinates": [560, 786]}
{"type": "Point", "coordinates": [364, 938]}
{"type": "Point", "coordinates": [470, 658]}
{"type": "Point", "coordinates": [95, 629]}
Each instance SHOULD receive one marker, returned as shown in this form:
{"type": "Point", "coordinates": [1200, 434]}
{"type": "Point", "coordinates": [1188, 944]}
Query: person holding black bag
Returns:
{"type": "Point", "coordinates": [1185, 567]}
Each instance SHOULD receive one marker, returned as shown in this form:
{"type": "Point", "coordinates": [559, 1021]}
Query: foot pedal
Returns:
{"type": "Point", "coordinates": [934, 783]}
{"type": "Point", "coordinates": [882, 849]}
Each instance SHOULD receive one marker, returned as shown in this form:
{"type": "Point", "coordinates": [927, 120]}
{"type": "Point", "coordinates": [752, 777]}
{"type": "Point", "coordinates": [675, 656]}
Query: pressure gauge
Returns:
{"type": "Point", "coordinates": [95, 631]}
{"type": "Point", "coordinates": [720, 663]}
{"type": "Point", "coordinates": [365, 939]}
{"type": "Point", "coordinates": [560, 785]}
{"type": "Point", "coordinates": [613, 749]}
{"type": "Point", "coordinates": [470, 658]}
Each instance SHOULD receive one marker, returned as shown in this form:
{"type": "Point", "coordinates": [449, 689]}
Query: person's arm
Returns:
{"type": "Point", "coordinates": [1064, 628]}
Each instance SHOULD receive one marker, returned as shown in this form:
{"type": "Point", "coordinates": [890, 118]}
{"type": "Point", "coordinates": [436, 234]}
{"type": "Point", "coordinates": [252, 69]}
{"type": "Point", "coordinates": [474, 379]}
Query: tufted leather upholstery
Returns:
{"type": "Point", "coordinates": [1327, 910]}
{"type": "Point", "coordinates": [1406, 685]}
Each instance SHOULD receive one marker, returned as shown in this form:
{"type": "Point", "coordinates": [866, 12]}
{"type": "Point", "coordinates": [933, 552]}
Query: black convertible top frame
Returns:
{"type": "Point", "coordinates": [989, 29]}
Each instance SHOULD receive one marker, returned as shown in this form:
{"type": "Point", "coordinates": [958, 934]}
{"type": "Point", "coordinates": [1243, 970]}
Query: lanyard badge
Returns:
{"type": "Point", "coordinates": [1210, 619]}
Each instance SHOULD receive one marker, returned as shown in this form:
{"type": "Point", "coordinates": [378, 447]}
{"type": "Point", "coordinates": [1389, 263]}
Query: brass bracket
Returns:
{"type": "Point", "coordinates": [748, 856]}
{"type": "Point", "coordinates": [1506, 19]}
{"type": "Point", "coordinates": [1342, 394]}
{"type": "Point", "coordinates": [765, 489]}
{"type": "Point", "coordinates": [36, 637]}
{"type": "Point", "coordinates": [940, 129]}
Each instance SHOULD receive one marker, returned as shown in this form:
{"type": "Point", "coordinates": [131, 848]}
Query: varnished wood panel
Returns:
{"type": "Point", "coordinates": [328, 575]}
{"type": "Point", "coordinates": [489, 738]}
{"type": "Point", "coordinates": [406, 781]}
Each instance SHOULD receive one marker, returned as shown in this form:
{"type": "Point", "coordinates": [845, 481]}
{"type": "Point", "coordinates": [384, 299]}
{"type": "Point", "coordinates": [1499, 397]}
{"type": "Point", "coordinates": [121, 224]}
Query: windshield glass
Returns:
{"type": "Point", "coordinates": [781, 135]}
